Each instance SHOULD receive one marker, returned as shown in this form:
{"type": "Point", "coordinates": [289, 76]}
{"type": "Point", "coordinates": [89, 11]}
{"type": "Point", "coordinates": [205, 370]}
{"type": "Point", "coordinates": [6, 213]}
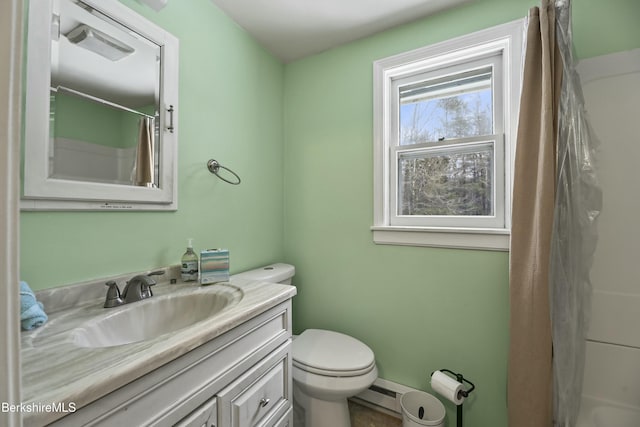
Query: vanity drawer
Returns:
{"type": "Point", "coordinates": [261, 396]}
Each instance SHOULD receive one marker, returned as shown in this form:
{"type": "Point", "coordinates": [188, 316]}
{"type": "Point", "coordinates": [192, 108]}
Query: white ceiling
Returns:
{"type": "Point", "coordinates": [292, 29]}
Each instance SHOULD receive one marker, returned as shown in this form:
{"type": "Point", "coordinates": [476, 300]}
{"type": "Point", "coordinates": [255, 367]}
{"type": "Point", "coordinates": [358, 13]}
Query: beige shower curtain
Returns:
{"type": "Point", "coordinates": [144, 166]}
{"type": "Point", "coordinates": [530, 370]}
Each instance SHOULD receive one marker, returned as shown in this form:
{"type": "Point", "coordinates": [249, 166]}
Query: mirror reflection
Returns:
{"type": "Point", "coordinates": [104, 99]}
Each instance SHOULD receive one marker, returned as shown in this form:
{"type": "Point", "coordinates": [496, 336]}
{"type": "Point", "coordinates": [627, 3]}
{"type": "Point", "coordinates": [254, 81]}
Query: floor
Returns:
{"type": "Point", "coordinates": [361, 416]}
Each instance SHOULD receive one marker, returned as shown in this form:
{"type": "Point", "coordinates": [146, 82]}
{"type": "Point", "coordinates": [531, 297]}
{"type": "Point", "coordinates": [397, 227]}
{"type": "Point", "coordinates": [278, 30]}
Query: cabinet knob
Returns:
{"type": "Point", "coordinates": [264, 402]}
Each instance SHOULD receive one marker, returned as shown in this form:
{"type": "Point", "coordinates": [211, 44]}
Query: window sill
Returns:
{"type": "Point", "coordinates": [443, 237]}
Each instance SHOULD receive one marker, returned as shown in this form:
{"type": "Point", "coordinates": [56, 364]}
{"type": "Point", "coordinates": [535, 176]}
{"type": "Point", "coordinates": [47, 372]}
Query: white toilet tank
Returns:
{"type": "Point", "coordinates": [274, 273]}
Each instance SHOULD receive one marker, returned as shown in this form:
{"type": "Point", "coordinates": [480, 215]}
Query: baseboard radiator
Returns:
{"type": "Point", "coordinates": [383, 396]}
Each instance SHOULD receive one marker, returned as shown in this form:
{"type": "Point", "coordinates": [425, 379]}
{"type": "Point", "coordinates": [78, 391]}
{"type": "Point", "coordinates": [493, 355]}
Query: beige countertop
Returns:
{"type": "Point", "coordinates": [57, 371]}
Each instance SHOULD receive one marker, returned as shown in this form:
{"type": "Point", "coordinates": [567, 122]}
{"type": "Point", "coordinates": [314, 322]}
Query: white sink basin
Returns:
{"type": "Point", "coordinates": [150, 318]}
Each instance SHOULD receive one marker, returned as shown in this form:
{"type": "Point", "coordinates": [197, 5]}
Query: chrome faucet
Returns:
{"type": "Point", "coordinates": [138, 288]}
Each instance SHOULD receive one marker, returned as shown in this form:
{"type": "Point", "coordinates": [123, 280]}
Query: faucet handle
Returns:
{"type": "Point", "coordinates": [113, 295]}
{"type": "Point", "coordinates": [146, 285]}
{"type": "Point", "coordinates": [156, 273]}
{"type": "Point", "coordinates": [145, 289]}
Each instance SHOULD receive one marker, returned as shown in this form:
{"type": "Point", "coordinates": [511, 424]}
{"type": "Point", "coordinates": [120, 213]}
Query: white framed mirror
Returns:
{"type": "Point", "coordinates": [101, 126]}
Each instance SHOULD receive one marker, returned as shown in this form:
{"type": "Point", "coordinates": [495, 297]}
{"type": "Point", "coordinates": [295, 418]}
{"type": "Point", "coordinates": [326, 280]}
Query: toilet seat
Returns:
{"type": "Point", "coordinates": [331, 354]}
{"type": "Point", "coordinates": [334, 373]}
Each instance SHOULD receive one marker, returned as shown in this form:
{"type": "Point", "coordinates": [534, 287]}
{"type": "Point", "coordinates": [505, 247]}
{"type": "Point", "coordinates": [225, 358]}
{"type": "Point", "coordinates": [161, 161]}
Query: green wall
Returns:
{"type": "Point", "coordinates": [420, 309]}
{"type": "Point", "coordinates": [230, 109]}
{"type": "Point", "coordinates": [96, 123]}
{"type": "Point", "coordinates": [84, 120]}
{"type": "Point", "coordinates": [308, 200]}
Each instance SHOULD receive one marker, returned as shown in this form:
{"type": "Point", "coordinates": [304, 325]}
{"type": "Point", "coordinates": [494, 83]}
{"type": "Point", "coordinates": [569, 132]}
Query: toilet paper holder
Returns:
{"type": "Point", "coordinates": [461, 379]}
{"type": "Point", "coordinates": [464, 393]}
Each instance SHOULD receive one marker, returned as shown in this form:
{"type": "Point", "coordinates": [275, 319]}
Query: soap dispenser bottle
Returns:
{"type": "Point", "coordinates": [189, 270]}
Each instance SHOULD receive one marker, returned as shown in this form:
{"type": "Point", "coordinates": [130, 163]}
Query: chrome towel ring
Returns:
{"type": "Point", "coordinates": [214, 167]}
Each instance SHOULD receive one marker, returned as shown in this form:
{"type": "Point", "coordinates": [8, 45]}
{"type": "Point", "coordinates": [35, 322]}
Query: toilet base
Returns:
{"type": "Point", "coordinates": [321, 413]}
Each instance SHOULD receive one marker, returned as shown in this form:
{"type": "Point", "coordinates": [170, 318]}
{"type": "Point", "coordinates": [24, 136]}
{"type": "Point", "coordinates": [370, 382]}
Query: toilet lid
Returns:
{"type": "Point", "coordinates": [332, 353]}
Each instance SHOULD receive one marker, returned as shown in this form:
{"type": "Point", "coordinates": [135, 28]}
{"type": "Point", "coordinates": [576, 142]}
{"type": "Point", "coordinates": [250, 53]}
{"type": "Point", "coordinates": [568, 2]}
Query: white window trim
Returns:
{"type": "Point", "coordinates": [506, 39]}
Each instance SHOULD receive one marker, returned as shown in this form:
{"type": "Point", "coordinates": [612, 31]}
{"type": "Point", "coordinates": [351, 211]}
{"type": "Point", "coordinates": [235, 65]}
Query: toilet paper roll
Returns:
{"type": "Point", "coordinates": [446, 386]}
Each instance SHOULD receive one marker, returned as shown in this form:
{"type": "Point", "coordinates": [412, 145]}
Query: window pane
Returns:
{"type": "Point", "coordinates": [447, 181]}
{"type": "Point", "coordinates": [455, 106]}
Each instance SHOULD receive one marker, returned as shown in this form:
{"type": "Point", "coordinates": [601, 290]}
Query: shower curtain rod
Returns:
{"type": "Point", "coordinates": [100, 100]}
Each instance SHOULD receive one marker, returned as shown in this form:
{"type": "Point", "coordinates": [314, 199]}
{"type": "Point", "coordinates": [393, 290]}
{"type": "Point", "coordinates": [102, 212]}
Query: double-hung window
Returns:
{"type": "Point", "coordinates": [445, 121]}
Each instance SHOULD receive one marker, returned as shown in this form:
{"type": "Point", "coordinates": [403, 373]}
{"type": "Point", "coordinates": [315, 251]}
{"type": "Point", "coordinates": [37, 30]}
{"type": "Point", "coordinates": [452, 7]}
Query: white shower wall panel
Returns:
{"type": "Point", "coordinates": [613, 374]}
{"type": "Point", "coordinates": [611, 86]}
{"type": "Point", "coordinates": [615, 318]}
{"type": "Point", "coordinates": [613, 102]}
{"type": "Point", "coordinates": [80, 160]}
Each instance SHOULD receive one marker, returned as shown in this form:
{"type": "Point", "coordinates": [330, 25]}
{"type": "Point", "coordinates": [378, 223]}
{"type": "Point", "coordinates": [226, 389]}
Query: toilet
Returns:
{"type": "Point", "coordinates": [328, 367]}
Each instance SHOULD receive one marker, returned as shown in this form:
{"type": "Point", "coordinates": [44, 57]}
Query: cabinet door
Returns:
{"type": "Point", "coordinates": [204, 416]}
{"type": "Point", "coordinates": [261, 396]}
{"type": "Point", "coordinates": [286, 420]}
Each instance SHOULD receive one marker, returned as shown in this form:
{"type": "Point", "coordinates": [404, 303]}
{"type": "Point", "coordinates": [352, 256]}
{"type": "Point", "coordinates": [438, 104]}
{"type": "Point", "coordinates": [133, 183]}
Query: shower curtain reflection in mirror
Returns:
{"type": "Point", "coordinates": [144, 169]}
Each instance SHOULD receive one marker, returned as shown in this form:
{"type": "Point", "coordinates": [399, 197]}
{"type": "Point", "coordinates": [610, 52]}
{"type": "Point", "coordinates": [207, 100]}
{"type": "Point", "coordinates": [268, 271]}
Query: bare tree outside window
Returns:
{"type": "Point", "coordinates": [445, 178]}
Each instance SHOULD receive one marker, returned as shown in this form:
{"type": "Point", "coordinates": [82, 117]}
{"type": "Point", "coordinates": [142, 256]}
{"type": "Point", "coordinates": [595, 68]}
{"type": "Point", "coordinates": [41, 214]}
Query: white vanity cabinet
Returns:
{"type": "Point", "coordinates": [241, 378]}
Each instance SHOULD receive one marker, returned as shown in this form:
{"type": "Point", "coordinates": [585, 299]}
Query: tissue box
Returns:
{"type": "Point", "coordinates": [214, 266]}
